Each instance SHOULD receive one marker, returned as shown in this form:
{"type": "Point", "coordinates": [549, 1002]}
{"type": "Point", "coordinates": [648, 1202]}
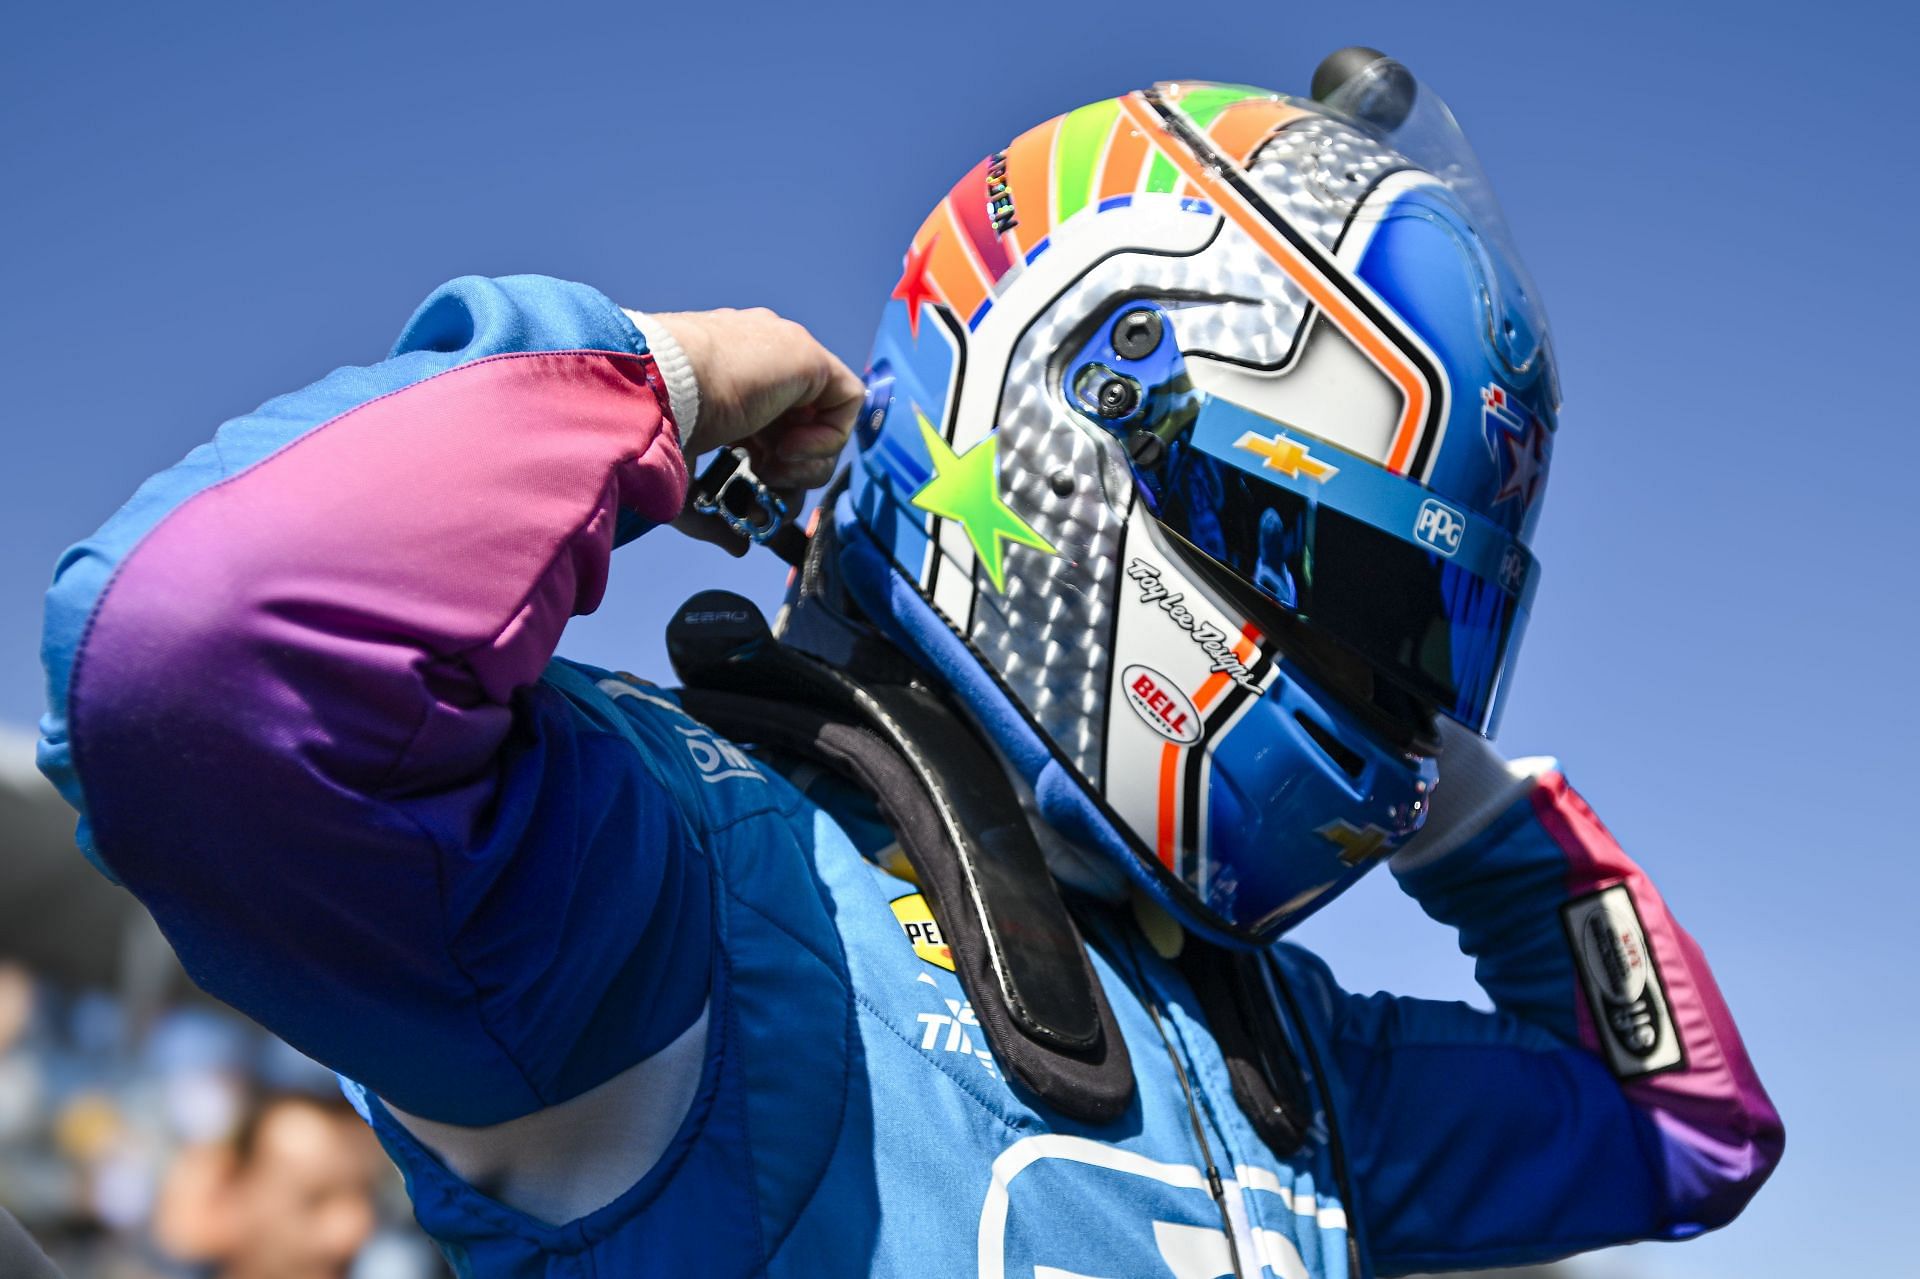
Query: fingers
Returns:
{"type": "Point", "coordinates": [767, 383]}
{"type": "Point", "coordinates": [762, 374]}
{"type": "Point", "coordinates": [802, 446]}
{"type": "Point", "coordinates": [838, 404]}
{"type": "Point", "coordinates": [796, 473]}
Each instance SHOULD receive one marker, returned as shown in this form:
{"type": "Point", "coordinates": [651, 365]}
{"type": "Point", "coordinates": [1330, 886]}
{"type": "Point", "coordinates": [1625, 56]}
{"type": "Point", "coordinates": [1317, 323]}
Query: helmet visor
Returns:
{"type": "Point", "coordinates": [1433, 598]}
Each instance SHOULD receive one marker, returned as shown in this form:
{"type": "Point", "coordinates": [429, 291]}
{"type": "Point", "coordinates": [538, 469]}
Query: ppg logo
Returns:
{"type": "Point", "coordinates": [1440, 526]}
{"type": "Point", "coordinates": [1513, 570]}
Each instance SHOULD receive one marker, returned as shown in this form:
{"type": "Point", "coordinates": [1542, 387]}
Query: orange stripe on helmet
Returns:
{"type": "Point", "coordinates": [1332, 303]}
{"type": "Point", "coordinates": [1169, 804]}
{"type": "Point", "coordinates": [1167, 826]}
{"type": "Point", "coordinates": [1241, 128]}
{"type": "Point", "coordinates": [962, 280]}
{"type": "Point", "coordinates": [1126, 160]}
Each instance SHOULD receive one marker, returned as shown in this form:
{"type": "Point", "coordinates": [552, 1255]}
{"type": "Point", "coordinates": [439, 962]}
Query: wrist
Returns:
{"type": "Point", "coordinates": [676, 371]}
{"type": "Point", "coordinates": [1476, 784]}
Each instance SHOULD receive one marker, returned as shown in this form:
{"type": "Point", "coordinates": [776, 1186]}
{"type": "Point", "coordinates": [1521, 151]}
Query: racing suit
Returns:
{"type": "Point", "coordinates": [303, 693]}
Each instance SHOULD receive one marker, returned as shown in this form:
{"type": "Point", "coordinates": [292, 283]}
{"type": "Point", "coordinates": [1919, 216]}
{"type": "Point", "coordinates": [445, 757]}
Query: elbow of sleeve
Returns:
{"type": "Point", "coordinates": [1713, 1172]}
{"type": "Point", "coordinates": [475, 316]}
{"type": "Point", "coordinates": [79, 580]}
{"type": "Point", "coordinates": [110, 680]}
{"type": "Point", "coordinates": [118, 706]}
{"type": "Point", "coordinates": [193, 713]}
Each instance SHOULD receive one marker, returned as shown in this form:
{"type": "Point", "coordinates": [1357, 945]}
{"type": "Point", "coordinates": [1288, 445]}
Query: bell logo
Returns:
{"type": "Point", "coordinates": [1440, 526]}
{"type": "Point", "coordinates": [1163, 707]}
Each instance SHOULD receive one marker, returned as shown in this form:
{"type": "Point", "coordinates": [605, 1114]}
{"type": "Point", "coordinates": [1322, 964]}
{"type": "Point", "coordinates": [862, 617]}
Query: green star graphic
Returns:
{"type": "Point", "coordinates": [966, 487]}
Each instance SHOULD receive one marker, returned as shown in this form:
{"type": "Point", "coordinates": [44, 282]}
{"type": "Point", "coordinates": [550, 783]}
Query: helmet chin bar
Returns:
{"type": "Point", "coordinates": [1252, 796]}
{"type": "Point", "coordinates": [1400, 719]}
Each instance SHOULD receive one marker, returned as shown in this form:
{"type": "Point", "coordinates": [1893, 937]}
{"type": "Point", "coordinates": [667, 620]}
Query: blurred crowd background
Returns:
{"type": "Point", "coordinates": [147, 1132]}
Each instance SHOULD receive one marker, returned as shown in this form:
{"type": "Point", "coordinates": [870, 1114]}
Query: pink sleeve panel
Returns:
{"type": "Point", "coordinates": [1721, 1132]}
{"type": "Point", "coordinates": [374, 592]}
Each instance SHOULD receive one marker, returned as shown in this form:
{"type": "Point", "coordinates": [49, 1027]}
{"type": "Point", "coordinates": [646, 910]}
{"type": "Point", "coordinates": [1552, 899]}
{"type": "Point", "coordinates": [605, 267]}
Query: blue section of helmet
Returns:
{"type": "Point", "coordinates": [905, 464]}
{"type": "Point", "coordinates": [1295, 815]}
{"type": "Point", "coordinates": [909, 375]}
{"type": "Point", "coordinates": [1166, 399]}
{"type": "Point", "coordinates": [873, 409]}
{"type": "Point", "coordinates": [1157, 372]}
{"type": "Point", "coordinates": [1468, 306]}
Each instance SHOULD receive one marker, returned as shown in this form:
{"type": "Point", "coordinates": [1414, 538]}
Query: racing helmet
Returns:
{"type": "Point", "coordinates": [1205, 431]}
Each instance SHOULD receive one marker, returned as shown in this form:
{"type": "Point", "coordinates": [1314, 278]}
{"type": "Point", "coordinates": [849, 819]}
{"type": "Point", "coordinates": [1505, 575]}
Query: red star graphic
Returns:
{"type": "Point", "coordinates": [914, 287]}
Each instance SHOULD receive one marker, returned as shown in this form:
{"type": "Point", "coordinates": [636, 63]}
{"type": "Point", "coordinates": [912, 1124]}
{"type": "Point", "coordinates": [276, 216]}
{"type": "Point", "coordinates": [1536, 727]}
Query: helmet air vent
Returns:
{"type": "Point", "coordinates": [1344, 757]}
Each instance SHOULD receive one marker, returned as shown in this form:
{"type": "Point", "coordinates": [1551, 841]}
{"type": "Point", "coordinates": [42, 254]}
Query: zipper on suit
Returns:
{"type": "Point", "coordinates": [1150, 999]}
{"type": "Point", "coordinates": [1214, 1183]}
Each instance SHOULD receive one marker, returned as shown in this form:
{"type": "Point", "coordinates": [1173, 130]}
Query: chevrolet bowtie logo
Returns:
{"type": "Point", "coordinates": [1357, 844]}
{"type": "Point", "coordinates": [1289, 457]}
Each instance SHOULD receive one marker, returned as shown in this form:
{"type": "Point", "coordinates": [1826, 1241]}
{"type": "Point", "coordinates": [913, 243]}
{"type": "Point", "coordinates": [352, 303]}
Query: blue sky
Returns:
{"type": "Point", "coordinates": [209, 204]}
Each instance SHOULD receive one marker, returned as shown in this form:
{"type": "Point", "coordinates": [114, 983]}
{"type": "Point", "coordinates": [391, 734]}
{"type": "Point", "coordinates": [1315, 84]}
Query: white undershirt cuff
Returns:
{"type": "Point", "coordinates": [683, 388]}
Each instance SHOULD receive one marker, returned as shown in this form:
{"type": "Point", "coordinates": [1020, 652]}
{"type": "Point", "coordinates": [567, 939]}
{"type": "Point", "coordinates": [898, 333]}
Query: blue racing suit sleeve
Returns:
{"type": "Point", "coordinates": [1608, 1096]}
{"type": "Point", "coordinates": [297, 694]}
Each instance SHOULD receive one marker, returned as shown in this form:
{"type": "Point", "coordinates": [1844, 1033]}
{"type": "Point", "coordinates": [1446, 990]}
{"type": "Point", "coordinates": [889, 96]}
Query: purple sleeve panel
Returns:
{"type": "Point", "coordinates": [307, 716]}
{"type": "Point", "coordinates": [1720, 1133]}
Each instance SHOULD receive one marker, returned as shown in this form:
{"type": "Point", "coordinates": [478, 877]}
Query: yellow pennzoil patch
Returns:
{"type": "Point", "coordinates": [917, 922]}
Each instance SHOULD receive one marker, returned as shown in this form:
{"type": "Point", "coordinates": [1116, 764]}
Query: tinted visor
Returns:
{"type": "Point", "coordinates": [1435, 610]}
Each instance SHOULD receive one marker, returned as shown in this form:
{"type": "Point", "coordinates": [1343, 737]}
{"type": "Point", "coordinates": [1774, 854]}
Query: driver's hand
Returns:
{"type": "Point", "coordinates": [766, 383]}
